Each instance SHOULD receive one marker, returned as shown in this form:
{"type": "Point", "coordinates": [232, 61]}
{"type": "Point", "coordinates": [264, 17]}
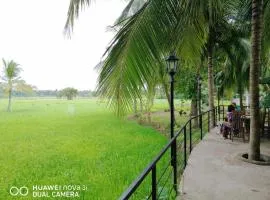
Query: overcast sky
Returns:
{"type": "Point", "coordinates": [32, 35]}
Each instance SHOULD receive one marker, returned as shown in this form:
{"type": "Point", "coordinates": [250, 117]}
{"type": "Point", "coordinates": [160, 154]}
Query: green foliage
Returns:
{"type": "Point", "coordinates": [47, 93]}
{"type": "Point", "coordinates": [265, 81]}
{"type": "Point", "coordinates": [266, 101]}
{"type": "Point", "coordinates": [137, 52]}
{"type": "Point", "coordinates": [75, 7]}
{"type": "Point", "coordinates": [59, 142]}
{"type": "Point", "coordinates": [11, 70]}
{"type": "Point", "coordinates": [136, 55]}
{"type": "Point", "coordinates": [68, 92]}
{"type": "Point", "coordinates": [244, 13]}
{"type": "Point", "coordinates": [186, 82]}
{"type": "Point", "coordinates": [11, 78]}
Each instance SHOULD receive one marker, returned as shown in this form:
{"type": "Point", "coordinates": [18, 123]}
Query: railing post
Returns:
{"type": "Point", "coordinates": [214, 111]}
{"type": "Point", "coordinates": [201, 126]}
{"type": "Point", "coordinates": [218, 113]}
{"type": "Point", "coordinates": [185, 147]}
{"type": "Point", "coordinates": [216, 116]}
{"type": "Point", "coordinates": [154, 183]}
{"type": "Point", "coordinates": [190, 136]}
{"type": "Point", "coordinates": [208, 121]}
{"type": "Point", "coordinates": [268, 122]}
{"type": "Point", "coordinates": [223, 112]}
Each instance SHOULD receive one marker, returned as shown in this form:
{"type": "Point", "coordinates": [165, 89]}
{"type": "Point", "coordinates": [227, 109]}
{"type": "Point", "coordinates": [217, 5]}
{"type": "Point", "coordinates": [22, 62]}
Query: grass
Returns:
{"type": "Point", "coordinates": [59, 142]}
{"type": "Point", "coordinates": [160, 116]}
{"type": "Point", "coordinates": [162, 104]}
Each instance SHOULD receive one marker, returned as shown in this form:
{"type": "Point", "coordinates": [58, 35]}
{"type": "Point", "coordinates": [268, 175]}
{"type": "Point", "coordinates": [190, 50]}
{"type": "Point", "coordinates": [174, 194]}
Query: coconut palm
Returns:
{"type": "Point", "coordinates": [11, 75]}
{"type": "Point", "coordinates": [147, 36]}
{"type": "Point", "coordinates": [244, 17]}
{"type": "Point", "coordinates": [254, 151]}
{"type": "Point", "coordinates": [235, 62]}
{"type": "Point", "coordinates": [76, 6]}
{"type": "Point", "coordinates": [255, 15]}
{"type": "Point", "coordinates": [259, 13]}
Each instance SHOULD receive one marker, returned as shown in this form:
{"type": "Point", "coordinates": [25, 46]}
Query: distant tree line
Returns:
{"type": "Point", "coordinates": [65, 92]}
{"type": "Point", "coordinates": [33, 92]}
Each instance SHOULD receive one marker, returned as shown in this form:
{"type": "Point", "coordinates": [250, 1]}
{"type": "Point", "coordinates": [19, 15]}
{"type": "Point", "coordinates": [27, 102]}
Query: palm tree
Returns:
{"type": "Point", "coordinates": [11, 75]}
{"type": "Point", "coordinates": [234, 61]}
{"type": "Point", "coordinates": [218, 33]}
{"type": "Point", "coordinates": [138, 49]}
{"type": "Point", "coordinates": [255, 15]}
{"type": "Point", "coordinates": [256, 37]}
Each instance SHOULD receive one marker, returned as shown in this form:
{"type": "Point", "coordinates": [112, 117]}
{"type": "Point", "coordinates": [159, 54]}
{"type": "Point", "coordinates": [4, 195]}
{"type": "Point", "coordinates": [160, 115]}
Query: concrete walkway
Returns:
{"type": "Point", "coordinates": [214, 172]}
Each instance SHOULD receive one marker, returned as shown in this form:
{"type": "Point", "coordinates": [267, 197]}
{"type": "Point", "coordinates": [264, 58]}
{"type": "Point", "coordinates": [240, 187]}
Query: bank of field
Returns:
{"type": "Point", "coordinates": [80, 142]}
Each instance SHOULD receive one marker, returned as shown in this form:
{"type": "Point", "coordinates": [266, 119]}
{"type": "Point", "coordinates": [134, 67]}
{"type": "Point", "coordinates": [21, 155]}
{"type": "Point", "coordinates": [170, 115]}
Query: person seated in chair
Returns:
{"type": "Point", "coordinates": [226, 126]}
{"type": "Point", "coordinates": [232, 107]}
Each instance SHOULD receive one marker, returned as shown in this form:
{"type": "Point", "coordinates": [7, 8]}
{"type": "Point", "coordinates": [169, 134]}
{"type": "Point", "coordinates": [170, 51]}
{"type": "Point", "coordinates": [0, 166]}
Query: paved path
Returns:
{"type": "Point", "coordinates": [214, 172]}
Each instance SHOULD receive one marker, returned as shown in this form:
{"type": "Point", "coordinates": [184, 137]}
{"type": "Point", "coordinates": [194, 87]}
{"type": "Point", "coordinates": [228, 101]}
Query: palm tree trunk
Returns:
{"type": "Point", "coordinates": [9, 100]}
{"type": "Point", "coordinates": [194, 112]}
{"type": "Point", "coordinates": [211, 82]}
{"type": "Point", "coordinates": [254, 148]}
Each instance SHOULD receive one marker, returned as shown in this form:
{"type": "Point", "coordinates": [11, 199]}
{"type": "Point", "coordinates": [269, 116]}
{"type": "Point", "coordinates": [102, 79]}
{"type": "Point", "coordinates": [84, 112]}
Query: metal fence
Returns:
{"type": "Point", "coordinates": [160, 178]}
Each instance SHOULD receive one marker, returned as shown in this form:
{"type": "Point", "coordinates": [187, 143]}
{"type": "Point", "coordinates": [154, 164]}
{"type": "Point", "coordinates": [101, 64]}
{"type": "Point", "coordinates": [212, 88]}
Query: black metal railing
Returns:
{"type": "Point", "coordinates": [160, 178]}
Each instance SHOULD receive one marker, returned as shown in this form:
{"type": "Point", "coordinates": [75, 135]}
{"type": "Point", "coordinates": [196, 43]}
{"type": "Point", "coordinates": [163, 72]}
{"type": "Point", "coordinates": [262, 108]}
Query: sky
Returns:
{"type": "Point", "coordinates": [32, 35]}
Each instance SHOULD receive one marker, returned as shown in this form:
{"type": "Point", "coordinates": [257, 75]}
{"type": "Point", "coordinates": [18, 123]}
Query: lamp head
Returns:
{"type": "Point", "coordinates": [172, 62]}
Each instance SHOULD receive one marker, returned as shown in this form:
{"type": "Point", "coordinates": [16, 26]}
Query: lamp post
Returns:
{"type": "Point", "coordinates": [172, 62]}
{"type": "Point", "coordinates": [199, 82]}
{"type": "Point", "coordinates": [218, 95]}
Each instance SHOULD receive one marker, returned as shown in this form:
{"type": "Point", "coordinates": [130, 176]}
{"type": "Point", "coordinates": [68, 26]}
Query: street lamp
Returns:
{"type": "Point", "coordinates": [172, 62]}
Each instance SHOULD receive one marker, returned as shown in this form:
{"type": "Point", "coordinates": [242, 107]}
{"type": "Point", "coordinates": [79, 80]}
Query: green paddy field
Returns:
{"type": "Point", "coordinates": [78, 143]}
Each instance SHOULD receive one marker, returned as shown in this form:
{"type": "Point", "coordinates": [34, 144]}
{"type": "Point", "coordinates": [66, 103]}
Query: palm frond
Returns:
{"type": "Point", "coordinates": [132, 7]}
{"type": "Point", "coordinates": [75, 6]}
{"type": "Point", "coordinates": [11, 70]}
{"type": "Point", "coordinates": [266, 27]}
{"type": "Point", "coordinates": [136, 55]}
